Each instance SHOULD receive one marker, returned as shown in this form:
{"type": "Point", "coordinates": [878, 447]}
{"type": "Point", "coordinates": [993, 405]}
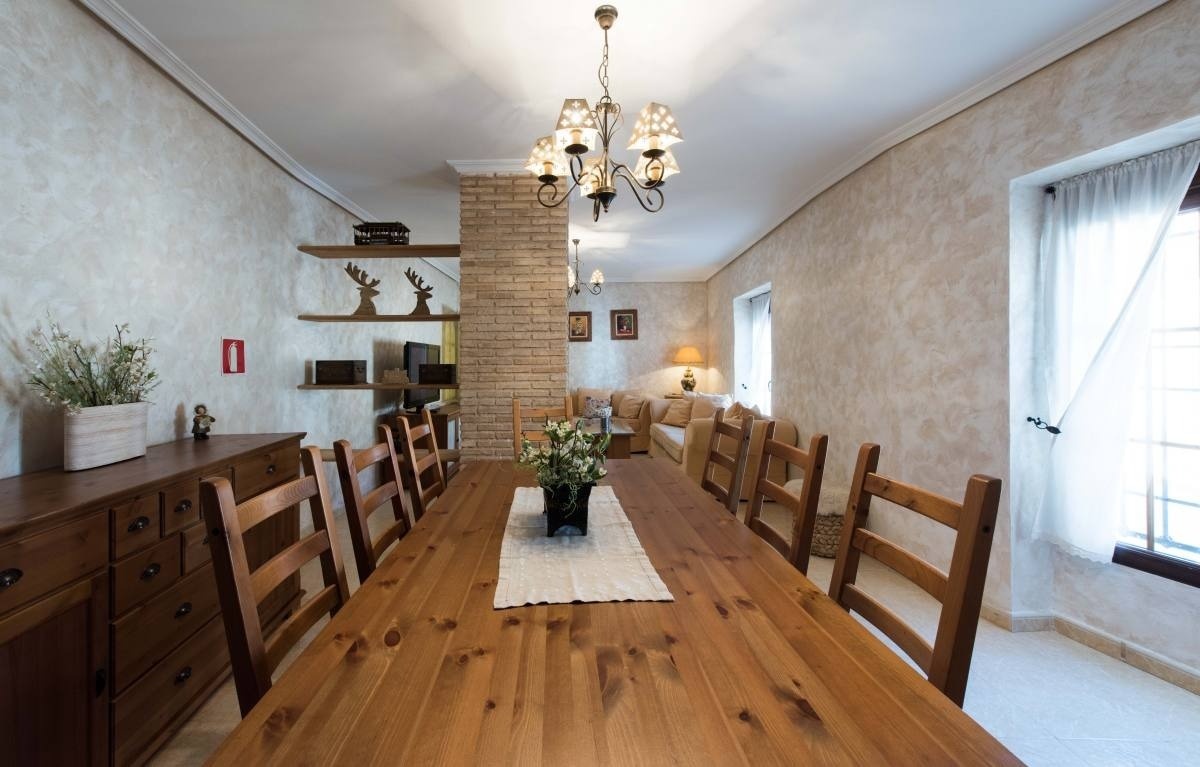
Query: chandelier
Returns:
{"type": "Point", "coordinates": [576, 133]}
{"type": "Point", "coordinates": [574, 286]}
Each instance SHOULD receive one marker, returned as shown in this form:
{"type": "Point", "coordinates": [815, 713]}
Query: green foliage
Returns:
{"type": "Point", "coordinates": [68, 372]}
{"type": "Point", "coordinates": [569, 458]}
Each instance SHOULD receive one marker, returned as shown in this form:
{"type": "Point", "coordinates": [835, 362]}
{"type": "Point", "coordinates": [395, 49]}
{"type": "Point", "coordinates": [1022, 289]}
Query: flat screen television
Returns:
{"type": "Point", "coordinates": [415, 355]}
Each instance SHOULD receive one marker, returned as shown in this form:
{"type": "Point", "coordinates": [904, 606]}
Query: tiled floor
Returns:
{"type": "Point", "coordinates": [1049, 699]}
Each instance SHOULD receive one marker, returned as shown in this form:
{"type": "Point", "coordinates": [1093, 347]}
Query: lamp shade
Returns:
{"type": "Point", "coordinates": [575, 132]}
{"type": "Point", "coordinates": [689, 355]}
{"type": "Point", "coordinates": [655, 129]}
{"type": "Point", "coordinates": [652, 170]}
{"type": "Point", "coordinates": [546, 159]}
{"type": "Point", "coordinates": [592, 177]}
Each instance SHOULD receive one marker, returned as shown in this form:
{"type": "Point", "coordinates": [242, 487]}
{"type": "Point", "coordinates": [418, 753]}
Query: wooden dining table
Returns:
{"type": "Point", "coordinates": [751, 664]}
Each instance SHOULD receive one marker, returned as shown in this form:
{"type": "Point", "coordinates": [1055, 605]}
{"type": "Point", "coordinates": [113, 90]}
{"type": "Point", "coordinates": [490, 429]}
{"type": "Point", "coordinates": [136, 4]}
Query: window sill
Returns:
{"type": "Point", "coordinates": [1171, 568]}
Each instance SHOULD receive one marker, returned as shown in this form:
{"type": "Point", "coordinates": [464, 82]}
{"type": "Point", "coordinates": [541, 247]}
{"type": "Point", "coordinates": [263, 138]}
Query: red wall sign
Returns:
{"type": "Point", "coordinates": [233, 356]}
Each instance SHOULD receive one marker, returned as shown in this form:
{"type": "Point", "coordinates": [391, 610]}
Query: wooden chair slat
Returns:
{"type": "Point", "coordinates": [960, 590]}
{"type": "Point", "coordinates": [890, 624]}
{"type": "Point", "coordinates": [251, 658]}
{"type": "Point", "coordinates": [296, 626]}
{"type": "Point", "coordinates": [280, 567]}
{"type": "Point", "coordinates": [904, 562]}
{"type": "Point", "coordinates": [270, 503]}
{"type": "Point", "coordinates": [778, 494]}
{"type": "Point", "coordinates": [724, 461]}
{"type": "Point", "coordinates": [522, 414]}
{"type": "Point", "coordinates": [932, 505]}
{"type": "Point", "coordinates": [802, 505]}
{"type": "Point", "coordinates": [378, 495]}
{"type": "Point", "coordinates": [771, 536]}
{"type": "Point", "coordinates": [370, 455]}
{"type": "Point", "coordinates": [736, 466]}
{"type": "Point", "coordinates": [393, 533]}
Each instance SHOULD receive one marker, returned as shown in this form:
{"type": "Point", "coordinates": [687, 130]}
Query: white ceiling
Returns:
{"type": "Point", "coordinates": [776, 99]}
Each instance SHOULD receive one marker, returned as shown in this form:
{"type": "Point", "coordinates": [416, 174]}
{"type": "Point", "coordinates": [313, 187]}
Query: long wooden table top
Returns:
{"type": "Point", "coordinates": [752, 664]}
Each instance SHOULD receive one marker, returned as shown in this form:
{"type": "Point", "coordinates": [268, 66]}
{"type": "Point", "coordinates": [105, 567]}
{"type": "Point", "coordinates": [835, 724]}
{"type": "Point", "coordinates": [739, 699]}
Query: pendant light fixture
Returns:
{"type": "Point", "coordinates": [574, 286]}
{"type": "Point", "coordinates": [581, 129]}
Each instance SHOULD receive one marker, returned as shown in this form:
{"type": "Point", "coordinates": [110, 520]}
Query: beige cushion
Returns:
{"type": "Point", "coordinates": [583, 392]}
{"type": "Point", "coordinates": [669, 438]}
{"type": "Point", "coordinates": [679, 413]}
{"type": "Point", "coordinates": [592, 404]}
{"type": "Point", "coordinates": [630, 406]}
{"type": "Point", "coordinates": [706, 405]}
{"type": "Point", "coordinates": [734, 412]}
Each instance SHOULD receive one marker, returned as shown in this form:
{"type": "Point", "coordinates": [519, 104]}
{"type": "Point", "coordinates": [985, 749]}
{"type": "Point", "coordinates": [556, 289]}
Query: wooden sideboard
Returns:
{"type": "Point", "coordinates": [110, 630]}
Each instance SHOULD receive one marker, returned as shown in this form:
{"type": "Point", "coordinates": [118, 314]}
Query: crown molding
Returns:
{"type": "Point", "coordinates": [477, 167]}
{"type": "Point", "coordinates": [1099, 26]}
{"type": "Point", "coordinates": [125, 26]}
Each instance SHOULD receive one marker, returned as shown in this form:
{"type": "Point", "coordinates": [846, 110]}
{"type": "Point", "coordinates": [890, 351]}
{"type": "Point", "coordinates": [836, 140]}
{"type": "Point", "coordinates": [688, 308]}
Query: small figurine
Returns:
{"type": "Point", "coordinates": [201, 422]}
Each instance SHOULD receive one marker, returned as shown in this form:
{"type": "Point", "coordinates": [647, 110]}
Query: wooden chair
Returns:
{"type": "Point", "coordinates": [540, 415]}
{"type": "Point", "coordinates": [421, 465]}
{"type": "Point", "coordinates": [361, 506]}
{"type": "Point", "coordinates": [728, 496]}
{"type": "Point", "coordinates": [803, 506]}
{"type": "Point", "coordinates": [948, 661]}
{"type": "Point", "coordinates": [240, 590]}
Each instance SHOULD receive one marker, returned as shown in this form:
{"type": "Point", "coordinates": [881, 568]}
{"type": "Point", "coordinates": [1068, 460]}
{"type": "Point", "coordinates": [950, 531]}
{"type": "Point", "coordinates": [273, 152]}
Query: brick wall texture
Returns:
{"type": "Point", "coordinates": [512, 337]}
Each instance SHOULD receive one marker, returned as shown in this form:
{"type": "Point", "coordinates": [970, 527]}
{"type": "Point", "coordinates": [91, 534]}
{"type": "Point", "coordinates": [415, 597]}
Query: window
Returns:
{"type": "Point", "coordinates": [1161, 512]}
{"type": "Point", "coordinates": [752, 348]}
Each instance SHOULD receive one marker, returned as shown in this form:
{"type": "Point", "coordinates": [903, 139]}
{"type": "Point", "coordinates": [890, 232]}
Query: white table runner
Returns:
{"type": "Point", "coordinates": [606, 565]}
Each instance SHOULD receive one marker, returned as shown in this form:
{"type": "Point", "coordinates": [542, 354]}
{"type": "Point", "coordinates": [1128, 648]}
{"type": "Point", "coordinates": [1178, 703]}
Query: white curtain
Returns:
{"type": "Point", "coordinates": [1099, 265]}
{"type": "Point", "coordinates": [759, 385]}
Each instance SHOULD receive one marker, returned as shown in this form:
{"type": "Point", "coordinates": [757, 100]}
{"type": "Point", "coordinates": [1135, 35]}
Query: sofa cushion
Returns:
{"type": "Point", "coordinates": [734, 412]}
{"type": "Point", "coordinates": [678, 413]}
{"type": "Point", "coordinates": [669, 438]}
{"type": "Point", "coordinates": [630, 405]}
{"type": "Point", "coordinates": [583, 392]}
{"type": "Point", "coordinates": [593, 405]}
{"type": "Point", "coordinates": [706, 405]}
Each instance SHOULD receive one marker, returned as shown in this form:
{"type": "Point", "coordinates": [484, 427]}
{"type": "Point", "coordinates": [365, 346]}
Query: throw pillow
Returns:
{"type": "Point", "coordinates": [705, 405]}
{"type": "Point", "coordinates": [592, 406]}
{"type": "Point", "coordinates": [734, 412]}
{"type": "Point", "coordinates": [631, 406]}
{"type": "Point", "coordinates": [678, 413]}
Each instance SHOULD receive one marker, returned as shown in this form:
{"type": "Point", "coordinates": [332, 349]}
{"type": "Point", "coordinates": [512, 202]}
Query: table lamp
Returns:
{"type": "Point", "coordinates": [688, 355]}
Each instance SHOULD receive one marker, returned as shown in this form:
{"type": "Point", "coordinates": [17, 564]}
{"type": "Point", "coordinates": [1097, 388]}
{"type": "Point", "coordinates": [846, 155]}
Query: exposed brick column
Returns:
{"type": "Point", "coordinates": [512, 289]}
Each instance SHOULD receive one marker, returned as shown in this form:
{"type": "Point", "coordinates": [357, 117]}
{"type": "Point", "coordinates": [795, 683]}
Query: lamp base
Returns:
{"type": "Point", "coordinates": [688, 382]}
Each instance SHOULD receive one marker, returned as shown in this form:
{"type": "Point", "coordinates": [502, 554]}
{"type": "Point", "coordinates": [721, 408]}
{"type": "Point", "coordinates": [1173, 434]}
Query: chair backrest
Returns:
{"type": "Point", "coordinates": [739, 433]}
{"type": "Point", "coordinates": [960, 591]}
{"type": "Point", "coordinates": [362, 504]}
{"type": "Point", "coordinates": [240, 589]}
{"type": "Point", "coordinates": [539, 416]}
{"type": "Point", "coordinates": [802, 505]}
{"type": "Point", "coordinates": [421, 464]}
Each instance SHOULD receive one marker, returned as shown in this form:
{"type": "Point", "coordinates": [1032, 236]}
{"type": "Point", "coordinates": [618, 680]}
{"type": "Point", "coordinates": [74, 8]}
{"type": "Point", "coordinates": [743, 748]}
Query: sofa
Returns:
{"type": "Point", "coordinates": [687, 446]}
{"type": "Point", "coordinates": [640, 443]}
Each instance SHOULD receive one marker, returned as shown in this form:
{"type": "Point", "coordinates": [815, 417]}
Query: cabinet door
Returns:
{"type": "Point", "coordinates": [54, 678]}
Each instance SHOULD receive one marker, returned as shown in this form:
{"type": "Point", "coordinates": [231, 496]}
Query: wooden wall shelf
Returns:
{"type": "Point", "coordinates": [376, 386]}
{"type": "Point", "coordinates": [381, 251]}
{"type": "Point", "coordinates": [378, 318]}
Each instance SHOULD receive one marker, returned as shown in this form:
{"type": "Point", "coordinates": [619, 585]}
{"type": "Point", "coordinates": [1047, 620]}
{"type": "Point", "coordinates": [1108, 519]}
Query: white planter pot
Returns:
{"type": "Point", "coordinates": [96, 436]}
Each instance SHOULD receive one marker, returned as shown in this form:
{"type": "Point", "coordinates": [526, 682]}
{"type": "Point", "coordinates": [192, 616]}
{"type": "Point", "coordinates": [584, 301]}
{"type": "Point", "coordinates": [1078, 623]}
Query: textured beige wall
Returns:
{"type": "Point", "coordinates": [891, 302]}
{"type": "Point", "coordinates": [513, 340]}
{"type": "Point", "coordinates": [123, 200]}
{"type": "Point", "coordinates": [670, 315]}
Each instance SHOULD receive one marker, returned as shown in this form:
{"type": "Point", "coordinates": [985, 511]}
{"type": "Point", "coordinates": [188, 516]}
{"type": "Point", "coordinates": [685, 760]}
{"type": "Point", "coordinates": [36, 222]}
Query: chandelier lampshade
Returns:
{"type": "Point", "coordinates": [580, 129]}
{"type": "Point", "coordinates": [575, 132]}
{"type": "Point", "coordinates": [546, 161]}
{"type": "Point", "coordinates": [655, 130]}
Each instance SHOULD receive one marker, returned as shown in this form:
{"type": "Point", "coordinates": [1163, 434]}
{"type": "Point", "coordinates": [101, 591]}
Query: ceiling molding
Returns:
{"type": "Point", "coordinates": [477, 167]}
{"type": "Point", "coordinates": [132, 32]}
{"type": "Point", "coordinates": [1093, 30]}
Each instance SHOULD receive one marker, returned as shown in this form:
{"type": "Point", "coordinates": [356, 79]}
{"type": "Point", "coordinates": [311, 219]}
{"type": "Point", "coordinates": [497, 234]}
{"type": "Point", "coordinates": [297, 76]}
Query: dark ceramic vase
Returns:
{"type": "Point", "coordinates": [561, 511]}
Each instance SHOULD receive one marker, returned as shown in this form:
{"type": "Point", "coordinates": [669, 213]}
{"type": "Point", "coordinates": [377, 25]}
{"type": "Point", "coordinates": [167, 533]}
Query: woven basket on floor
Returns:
{"type": "Point", "coordinates": [827, 531]}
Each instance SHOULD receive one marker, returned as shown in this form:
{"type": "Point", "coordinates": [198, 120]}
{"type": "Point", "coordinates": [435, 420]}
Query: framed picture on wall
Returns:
{"type": "Point", "coordinates": [579, 326]}
{"type": "Point", "coordinates": [624, 324]}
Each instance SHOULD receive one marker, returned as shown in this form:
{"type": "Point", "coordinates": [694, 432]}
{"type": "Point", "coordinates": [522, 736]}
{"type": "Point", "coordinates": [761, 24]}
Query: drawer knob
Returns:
{"type": "Point", "coordinates": [271, 469]}
{"type": "Point", "coordinates": [151, 570]}
{"type": "Point", "coordinates": [184, 674]}
{"type": "Point", "coordinates": [10, 576]}
{"type": "Point", "coordinates": [183, 610]}
{"type": "Point", "coordinates": [184, 506]}
{"type": "Point", "coordinates": [141, 523]}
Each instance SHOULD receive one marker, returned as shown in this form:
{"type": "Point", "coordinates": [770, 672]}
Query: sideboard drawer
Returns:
{"type": "Point", "coordinates": [195, 547]}
{"type": "Point", "coordinates": [180, 505]}
{"type": "Point", "coordinates": [149, 706]}
{"type": "Point", "coordinates": [140, 576]}
{"type": "Point", "coordinates": [41, 563]}
{"type": "Point", "coordinates": [253, 475]}
{"type": "Point", "coordinates": [141, 636]}
{"type": "Point", "coordinates": [134, 525]}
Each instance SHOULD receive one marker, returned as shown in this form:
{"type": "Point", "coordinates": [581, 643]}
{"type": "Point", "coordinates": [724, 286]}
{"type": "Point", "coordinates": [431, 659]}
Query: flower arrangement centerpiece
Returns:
{"type": "Point", "coordinates": [102, 386]}
{"type": "Point", "coordinates": [568, 464]}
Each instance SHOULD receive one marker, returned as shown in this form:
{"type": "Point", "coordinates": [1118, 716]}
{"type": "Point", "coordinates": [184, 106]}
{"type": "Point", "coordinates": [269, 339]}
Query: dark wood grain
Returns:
{"type": "Point", "coordinates": [752, 664]}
